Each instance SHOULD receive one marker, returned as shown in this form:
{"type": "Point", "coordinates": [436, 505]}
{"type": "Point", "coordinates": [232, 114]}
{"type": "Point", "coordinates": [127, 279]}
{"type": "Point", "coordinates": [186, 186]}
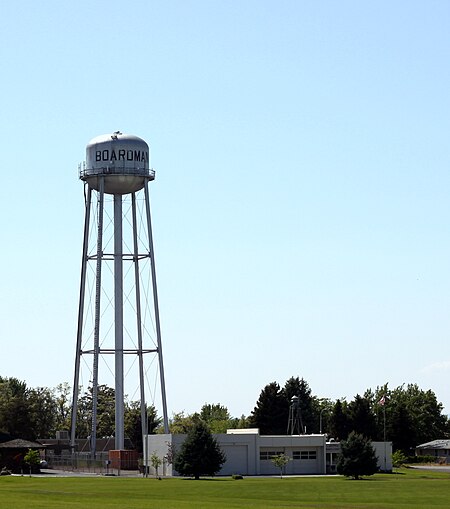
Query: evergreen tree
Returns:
{"type": "Point", "coordinates": [400, 429]}
{"type": "Point", "coordinates": [200, 453]}
{"type": "Point", "coordinates": [270, 413]}
{"type": "Point", "coordinates": [339, 421]}
{"type": "Point", "coordinates": [361, 418]}
{"type": "Point", "coordinates": [357, 457]}
{"type": "Point", "coordinates": [299, 387]}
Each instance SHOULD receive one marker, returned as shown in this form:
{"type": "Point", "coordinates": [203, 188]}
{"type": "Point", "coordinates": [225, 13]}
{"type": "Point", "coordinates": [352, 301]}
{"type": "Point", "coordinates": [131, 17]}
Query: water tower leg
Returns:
{"type": "Point", "coordinates": [118, 322]}
{"type": "Point", "coordinates": [156, 307]}
{"type": "Point", "coordinates": [98, 292]}
{"type": "Point", "coordinates": [76, 378]}
{"type": "Point", "coordinates": [139, 321]}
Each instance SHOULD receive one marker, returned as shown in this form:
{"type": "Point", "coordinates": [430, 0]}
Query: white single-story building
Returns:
{"type": "Point", "coordinates": [249, 453]}
{"type": "Point", "coordinates": [383, 452]}
{"type": "Point", "coordinates": [440, 449]}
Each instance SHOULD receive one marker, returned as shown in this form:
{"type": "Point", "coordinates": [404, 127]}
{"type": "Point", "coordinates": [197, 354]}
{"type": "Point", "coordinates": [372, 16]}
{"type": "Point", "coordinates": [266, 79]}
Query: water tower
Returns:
{"type": "Point", "coordinates": [295, 424]}
{"type": "Point", "coordinates": [118, 314]}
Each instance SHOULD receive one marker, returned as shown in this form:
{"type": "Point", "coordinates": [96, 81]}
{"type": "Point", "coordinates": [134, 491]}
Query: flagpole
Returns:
{"type": "Point", "coordinates": [382, 402]}
{"type": "Point", "coordinates": [384, 435]}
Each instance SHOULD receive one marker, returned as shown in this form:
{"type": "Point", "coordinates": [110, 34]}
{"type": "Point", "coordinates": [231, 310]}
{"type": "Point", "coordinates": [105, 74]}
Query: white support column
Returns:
{"type": "Point", "coordinates": [118, 322]}
{"type": "Point", "coordinates": [98, 292]}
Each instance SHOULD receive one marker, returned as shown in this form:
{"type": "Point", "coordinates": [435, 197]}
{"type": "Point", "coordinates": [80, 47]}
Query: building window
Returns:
{"type": "Point", "coordinates": [304, 455]}
{"type": "Point", "coordinates": [268, 455]}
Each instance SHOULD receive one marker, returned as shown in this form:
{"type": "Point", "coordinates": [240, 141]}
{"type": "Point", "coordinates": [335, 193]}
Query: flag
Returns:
{"type": "Point", "coordinates": [382, 401]}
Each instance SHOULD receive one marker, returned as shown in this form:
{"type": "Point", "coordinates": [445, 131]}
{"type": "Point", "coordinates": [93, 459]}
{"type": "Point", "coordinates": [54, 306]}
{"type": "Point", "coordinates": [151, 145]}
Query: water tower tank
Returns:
{"type": "Point", "coordinates": [122, 159]}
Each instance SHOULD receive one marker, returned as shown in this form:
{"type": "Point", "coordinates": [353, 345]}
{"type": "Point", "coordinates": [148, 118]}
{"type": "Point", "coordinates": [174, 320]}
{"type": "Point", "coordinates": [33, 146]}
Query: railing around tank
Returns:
{"type": "Point", "coordinates": [84, 172]}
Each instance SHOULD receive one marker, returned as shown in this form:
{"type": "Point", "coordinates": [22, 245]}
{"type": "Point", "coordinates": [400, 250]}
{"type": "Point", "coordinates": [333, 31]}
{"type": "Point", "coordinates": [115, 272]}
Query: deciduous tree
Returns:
{"type": "Point", "coordinates": [217, 417]}
{"type": "Point", "coordinates": [63, 397]}
{"type": "Point", "coordinates": [43, 411]}
{"type": "Point", "coordinates": [428, 420]}
{"type": "Point", "coordinates": [105, 412]}
{"type": "Point", "coordinates": [15, 414]}
{"type": "Point", "coordinates": [180, 423]}
{"type": "Point", "coordinates": [133, 423]}
{"type": "Point", "coordinates": [156, 462]}
{"type": "Point", "coordinates": [280, 461]}
{"type": "Point", "coordinates": [413, 416]}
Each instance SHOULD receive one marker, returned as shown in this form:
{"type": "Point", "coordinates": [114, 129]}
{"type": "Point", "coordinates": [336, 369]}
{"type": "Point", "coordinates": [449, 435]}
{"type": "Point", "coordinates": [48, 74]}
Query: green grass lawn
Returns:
{"type": "Point", "coordinates": [405, 489]}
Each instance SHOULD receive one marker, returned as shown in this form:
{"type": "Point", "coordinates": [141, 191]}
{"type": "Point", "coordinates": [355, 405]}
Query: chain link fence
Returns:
{"type": "Point", "coordinates": [102, 465]}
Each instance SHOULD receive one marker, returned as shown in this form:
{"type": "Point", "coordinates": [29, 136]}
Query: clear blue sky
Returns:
{"type": "Point", "coordinates": [301, 207]}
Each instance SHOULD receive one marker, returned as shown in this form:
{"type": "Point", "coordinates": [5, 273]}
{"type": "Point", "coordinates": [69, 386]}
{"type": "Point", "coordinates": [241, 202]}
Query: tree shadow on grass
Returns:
{"type": "Point", "coordinates": [214, 479]}
{"type": "Point", "coordinates": [360, 479]}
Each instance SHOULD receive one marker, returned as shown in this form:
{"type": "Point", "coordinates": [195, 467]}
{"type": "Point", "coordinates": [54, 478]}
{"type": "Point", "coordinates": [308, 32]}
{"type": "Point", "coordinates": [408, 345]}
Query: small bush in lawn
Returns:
{"type": "Point", "coordinates": [236, 477]}
{"type": "Point", "coordinates": [357, 457]}
{"type": "Point", "coordinates": [200, 453]}
{"type": "Point", "coordinates": [399, 459]}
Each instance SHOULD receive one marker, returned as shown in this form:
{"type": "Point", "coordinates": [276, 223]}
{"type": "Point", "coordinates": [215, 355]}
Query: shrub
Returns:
{"type": "Point", "coordinates": [280, 462]}
{"type": "Point", "coordinates": [357, 457]}
{"type": "Point", "coordinates": [156, 462]}
{"type": "Point", "coordinates": [32, 459]}
{"type": "Point", "coordinates": [422, 459]}
{"type": "Point", "coordinates": [399, 459]}
{"type": "Point", "coordinates": [200, 453]}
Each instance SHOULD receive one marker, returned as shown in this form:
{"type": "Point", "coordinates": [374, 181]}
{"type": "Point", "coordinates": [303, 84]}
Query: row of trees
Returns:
{"type": "Point", "coordinates": [106, 416]}
{"type": "Point", "coordinates": [406, 415]}
{"type": "Point", "coordinates": [409, 415]}
{"type": "Point", "coordinates": [216, 416]}
{"type": "Point", "coordinates": [33, 413]}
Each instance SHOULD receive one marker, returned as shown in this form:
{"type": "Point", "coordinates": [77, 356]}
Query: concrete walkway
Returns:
{"type": "Point", "coordinates": [49, 472]}
{"type": "Point", "coordinates": [434, 468]}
